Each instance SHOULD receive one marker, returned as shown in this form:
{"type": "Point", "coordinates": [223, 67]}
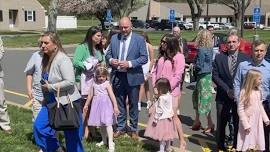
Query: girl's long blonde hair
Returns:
{"type": "Point", "coordinates": [204, 39]}
{"type": "Point", "coordinates": [249, 85]}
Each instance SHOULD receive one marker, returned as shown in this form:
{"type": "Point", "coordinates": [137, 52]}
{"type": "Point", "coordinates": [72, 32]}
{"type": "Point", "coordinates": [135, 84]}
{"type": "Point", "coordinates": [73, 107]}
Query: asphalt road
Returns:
{"type": "Point", "coordinates": [15, 61]}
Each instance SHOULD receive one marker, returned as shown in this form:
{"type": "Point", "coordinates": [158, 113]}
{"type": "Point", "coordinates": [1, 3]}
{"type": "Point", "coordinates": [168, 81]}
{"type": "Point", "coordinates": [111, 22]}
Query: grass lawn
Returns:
{"type": "Point", "coordinates": [91, 22]}
{"type": "Point", "coordinates": [22, 140]}
{"type": "Point", "coordinates": [74, 36]}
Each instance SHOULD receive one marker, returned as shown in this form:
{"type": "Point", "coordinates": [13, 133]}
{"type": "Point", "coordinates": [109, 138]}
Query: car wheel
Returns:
{"type": "Point", "coordinates": [200, 28]}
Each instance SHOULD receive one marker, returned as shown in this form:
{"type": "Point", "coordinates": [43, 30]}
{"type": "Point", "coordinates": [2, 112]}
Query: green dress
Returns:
{"type": "Point", "coordinates": [202, 96]}
{"type": "Point", "coordinates": [81, 54]}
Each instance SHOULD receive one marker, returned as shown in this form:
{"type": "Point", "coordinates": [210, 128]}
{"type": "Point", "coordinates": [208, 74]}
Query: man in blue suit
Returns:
{"type": "Point", "coordinates": [126, 54]}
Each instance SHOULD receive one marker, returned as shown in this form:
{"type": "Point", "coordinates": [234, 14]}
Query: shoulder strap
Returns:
{"type": "Point", "coordinates": [58, 98]}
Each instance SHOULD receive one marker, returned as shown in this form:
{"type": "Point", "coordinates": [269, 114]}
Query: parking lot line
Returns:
{"type": "Point", "coordinates": [29, 103]}
{"type": "Point", "coordinates": [204, 146]}
{"type": "Point", "coordinates": [17, 105]}
{"type": "Point", "coordinates": [16, 93]}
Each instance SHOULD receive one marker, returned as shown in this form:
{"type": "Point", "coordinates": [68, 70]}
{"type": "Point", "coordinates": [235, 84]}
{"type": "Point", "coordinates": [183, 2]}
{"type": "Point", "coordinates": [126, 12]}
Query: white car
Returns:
{"type": "Point", "coordinates": [229, 26]}
{"type": "Point", "coordinates": [187, 25]}
{"type": "Point", "coordinates": [205, 24]}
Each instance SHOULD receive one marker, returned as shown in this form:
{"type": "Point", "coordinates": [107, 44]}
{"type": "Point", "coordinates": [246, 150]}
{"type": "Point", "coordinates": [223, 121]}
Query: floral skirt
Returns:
{"type": "Point", "coordinates": [202, 96]}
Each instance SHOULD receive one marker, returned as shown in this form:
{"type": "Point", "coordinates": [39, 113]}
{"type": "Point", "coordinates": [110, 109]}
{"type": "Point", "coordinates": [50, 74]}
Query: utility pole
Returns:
{"type": "Point", "coordinates": [207, 10]}
{"type": "Point", "coordinates": [242, 19]}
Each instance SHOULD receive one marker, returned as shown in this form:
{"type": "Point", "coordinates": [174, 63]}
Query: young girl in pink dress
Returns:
{"type": "Point", "coordinates": [104, 108]}
{"type": "Point", "coordinates": [160, 125]}
{"type": "Point", "coordinates": [251, 114]}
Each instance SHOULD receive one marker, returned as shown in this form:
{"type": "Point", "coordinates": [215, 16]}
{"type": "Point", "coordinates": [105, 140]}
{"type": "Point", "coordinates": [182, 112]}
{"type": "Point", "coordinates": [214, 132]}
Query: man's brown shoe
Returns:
{"type": "Point", "coordinates": [118, 134]}
{"type": "Point", "coordinates": [134, 135]}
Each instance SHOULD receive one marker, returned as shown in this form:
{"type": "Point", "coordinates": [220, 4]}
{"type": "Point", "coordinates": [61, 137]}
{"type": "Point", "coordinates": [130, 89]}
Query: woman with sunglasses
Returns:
{"type": "Point", "coordinates": [170, 64]}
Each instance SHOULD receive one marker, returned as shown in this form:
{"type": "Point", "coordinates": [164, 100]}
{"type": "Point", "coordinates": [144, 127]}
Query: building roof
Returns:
{"type": "Point", "coordinates": [216, 9]}
{"type": "Point", "coordinates": [161, 9]}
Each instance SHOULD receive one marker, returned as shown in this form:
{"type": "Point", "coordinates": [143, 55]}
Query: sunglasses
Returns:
{"type": "Point", "coordinates": [257, 50]}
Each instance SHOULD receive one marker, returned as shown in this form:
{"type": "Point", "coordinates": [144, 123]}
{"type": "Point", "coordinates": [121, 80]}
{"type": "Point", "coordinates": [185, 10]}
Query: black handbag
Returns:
{"type": "Point", "coordinates": [64, 117]}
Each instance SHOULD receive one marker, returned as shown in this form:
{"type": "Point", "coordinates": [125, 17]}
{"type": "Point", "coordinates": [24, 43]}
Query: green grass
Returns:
{"type": "Point", "coordinates": [22, 140]}
{"type": "Point", "coordinates": [75, 36]}
{"type": "Point", "coordinates": [90, 22]}
{"type": "Point", "coordinates": [22, 137]}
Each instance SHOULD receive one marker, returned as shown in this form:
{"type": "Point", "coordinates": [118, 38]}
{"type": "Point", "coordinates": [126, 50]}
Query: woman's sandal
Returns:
{"type": "Point", "coordinates": [209, 129]}
{"type": "Point", "coordinates": [196, 126]}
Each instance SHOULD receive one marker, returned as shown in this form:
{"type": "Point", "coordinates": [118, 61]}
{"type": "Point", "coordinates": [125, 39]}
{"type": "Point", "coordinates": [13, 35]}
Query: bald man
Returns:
{"type": "Point", "coordinates": [126, 54]}
{"type": "Point", "coordinates": [182, 41]}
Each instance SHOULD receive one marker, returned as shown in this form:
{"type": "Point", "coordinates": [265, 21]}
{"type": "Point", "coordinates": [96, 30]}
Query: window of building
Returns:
{"type": "Point", "coordinates": [1, 16]}
{"type": "Point", "coordinates": [30, 16]}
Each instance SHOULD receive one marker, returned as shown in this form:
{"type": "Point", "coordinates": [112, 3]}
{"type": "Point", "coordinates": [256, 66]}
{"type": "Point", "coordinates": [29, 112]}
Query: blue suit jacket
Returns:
{"type": "Point", "coordinates": [137, 55]}
{"type": "Point", "coordinates": [222, 77]}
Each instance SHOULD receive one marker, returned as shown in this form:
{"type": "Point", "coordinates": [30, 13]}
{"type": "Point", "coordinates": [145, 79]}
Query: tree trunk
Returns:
{"type": "Point", "coordinates": [52, 16]}
{"type": "Point", "coordinates": [195, 22]}
{"type": "Point", "coordinates": [101, 17]}
{"type": "Point", "coordinates": [238, 21]}
{"type": "Point", "coordinates": [196, 13]}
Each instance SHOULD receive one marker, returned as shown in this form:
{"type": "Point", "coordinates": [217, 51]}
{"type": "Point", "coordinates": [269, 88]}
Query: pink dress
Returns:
{"type": "Point", "coordinates": [164, 129]}
{"type": "Point", "coordinates": [101, 113]}
{"type": "Point", "coordinates": [165, 69]}
{"type": "Point", "coordinates": [251, 117]}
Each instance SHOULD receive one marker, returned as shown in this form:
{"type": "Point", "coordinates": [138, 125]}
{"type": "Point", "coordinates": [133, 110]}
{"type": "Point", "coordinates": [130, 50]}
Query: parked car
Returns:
{"type": "Point", "coordinates": [221, 25]}
{"type": "Point", "coordinates": [151, 23]}
{"type": "Point", "coordinates": [229, 26]}
{"type": "Point", "coordinates": [187, 25]}
{"type": "Point", "coordinates": [166, 24]}
{"type": "Point", "coordinates": [249, 25]}
{"type": "Point", "coordinates": [190, 55]}
{"type": "Point", "coordinates": [205, 24]}
{"type": "Point", "coordinates": [138, 24]}
{"type": "Point", "coordinates": [252, 25]}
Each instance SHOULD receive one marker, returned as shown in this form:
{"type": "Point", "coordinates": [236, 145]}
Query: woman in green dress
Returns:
{"type": "Point", "coordinates": [202, 95]}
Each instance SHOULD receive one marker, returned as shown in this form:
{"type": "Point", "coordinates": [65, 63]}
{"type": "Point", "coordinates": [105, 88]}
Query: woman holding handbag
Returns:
{"type": "Point", "coordinates": [58, 78]}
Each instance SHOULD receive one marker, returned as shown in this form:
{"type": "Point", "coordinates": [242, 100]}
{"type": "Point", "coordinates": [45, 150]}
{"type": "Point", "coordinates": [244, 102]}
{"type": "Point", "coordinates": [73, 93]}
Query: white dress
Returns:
{"type": "Point", "coordinates": [146, 66]}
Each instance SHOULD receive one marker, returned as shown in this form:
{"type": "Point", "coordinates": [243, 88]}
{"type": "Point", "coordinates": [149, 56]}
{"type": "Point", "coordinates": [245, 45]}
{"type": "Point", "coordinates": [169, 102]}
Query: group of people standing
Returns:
{"type": "Point", "coordinates": [242, 87]}
{"type": "Point", "coordinates": [108, 78]}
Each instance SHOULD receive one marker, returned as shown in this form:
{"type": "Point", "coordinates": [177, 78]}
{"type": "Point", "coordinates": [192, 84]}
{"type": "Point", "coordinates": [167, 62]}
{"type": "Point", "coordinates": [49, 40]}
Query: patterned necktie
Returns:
{"type": "Point", "coordinates": [123, 49]}
{"type": "Point", "coordinates": [233, 64]}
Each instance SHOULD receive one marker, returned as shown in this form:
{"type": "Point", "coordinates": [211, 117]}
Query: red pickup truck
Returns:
{"type": "Point", "coordinates": [245, 47]}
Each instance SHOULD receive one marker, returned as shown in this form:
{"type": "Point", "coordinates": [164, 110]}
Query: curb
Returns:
{"type": "Point", "coordinates": [36, 48]}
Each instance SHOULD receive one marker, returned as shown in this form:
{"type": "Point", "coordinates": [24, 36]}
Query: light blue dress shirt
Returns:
{"type": "Point", "coordinates": [263, 67]}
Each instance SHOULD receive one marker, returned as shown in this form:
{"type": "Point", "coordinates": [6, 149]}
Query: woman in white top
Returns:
{"type": "Point", "coordinates": [144, 89]}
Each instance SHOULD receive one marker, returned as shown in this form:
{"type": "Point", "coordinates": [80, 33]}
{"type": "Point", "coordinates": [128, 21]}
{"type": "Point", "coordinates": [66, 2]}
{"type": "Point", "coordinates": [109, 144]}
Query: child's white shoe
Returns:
{"type": "Point", "coordinates": [111, 147]}
{"type": "Point", "coordinates": [100, 144]}
{"type": "Point", "coordinates": [139, 106]}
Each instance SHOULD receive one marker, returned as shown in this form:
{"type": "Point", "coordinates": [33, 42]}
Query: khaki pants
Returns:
{"type": "Point", "coordinates": [4, 118]}
{"type": "Point", "coordinates": [36, 106]}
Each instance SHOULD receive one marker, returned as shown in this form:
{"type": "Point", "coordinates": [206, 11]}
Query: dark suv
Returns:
{"type": "Point", "coordinates": [138, 24]}
{"type": "Point", "coordinates": [166, 24]}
